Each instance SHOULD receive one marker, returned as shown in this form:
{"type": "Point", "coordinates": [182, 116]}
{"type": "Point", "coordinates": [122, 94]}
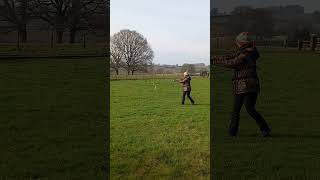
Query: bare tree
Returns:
{"type": "Point", "coordinates": [82, 15]}
{"type": "Point", "coordinates": [239, 19]}
{"type": "Point", "coordinates": [74, 15]}
{"type": "Point", "coordinates": [137, 53]}
{"type": "Point", "coordinates": [75, 21]}
{"type": "Point", "coordinates": [116, 56]}
{"type": "Point", "coordinates": [262, 23]}
{"type": "Point", "coordinates": [245, 18]}
{"type": "Point", "coordinates": [316, 16]}
{"type": "Point", "coordinates": [54, 12]}
{"type": "Point", "coordinates": [188, 67]}
{"type": "Point", "coordinates": [298, 28]}
{"type": "Point", "coordinates": [16, 13]}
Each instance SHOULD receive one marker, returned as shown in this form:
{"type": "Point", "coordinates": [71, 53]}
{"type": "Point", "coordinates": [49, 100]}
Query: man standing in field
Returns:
{"type": "Point", "coordinates": [245, 82]}
{"type": "Point", "coordinates": [186, 84]}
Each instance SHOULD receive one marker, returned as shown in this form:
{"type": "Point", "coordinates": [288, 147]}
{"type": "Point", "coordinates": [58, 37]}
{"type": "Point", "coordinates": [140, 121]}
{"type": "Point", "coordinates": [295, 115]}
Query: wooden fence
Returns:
{"type": "Point", "coordinates": [318, 44]}
{"type": "Point", "coordinates": [313, 45]}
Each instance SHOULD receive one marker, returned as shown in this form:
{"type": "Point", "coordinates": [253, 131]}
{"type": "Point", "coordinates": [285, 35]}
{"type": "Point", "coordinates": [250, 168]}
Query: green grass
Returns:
{"type": "Point", "coordinates": [153, 136]}
{"type": "Point", "coordinates": [53, 123]}
{"type": "Point", "coordinates": [289, 101]}
{"type": "Point", "coordinates": [53, 119]}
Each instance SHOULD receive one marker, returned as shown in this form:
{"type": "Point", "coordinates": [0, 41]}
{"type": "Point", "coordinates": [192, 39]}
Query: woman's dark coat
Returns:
{"type": "Point", "coordinates": [243, 62]}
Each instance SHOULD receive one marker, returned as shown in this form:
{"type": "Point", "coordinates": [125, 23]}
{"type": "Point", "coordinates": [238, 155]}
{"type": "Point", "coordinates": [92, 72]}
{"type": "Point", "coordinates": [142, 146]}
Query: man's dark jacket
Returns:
{"type": "Point", "coordinates": [243, 62]}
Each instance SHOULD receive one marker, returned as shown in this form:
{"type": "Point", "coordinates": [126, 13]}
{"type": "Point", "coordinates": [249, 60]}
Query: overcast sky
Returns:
{"type": "Point", "coordinates": [228, 5]}
{"type": "Point", "coordinates": [177, 30]}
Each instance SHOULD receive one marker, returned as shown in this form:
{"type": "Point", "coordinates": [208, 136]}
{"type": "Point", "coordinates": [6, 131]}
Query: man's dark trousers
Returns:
{"type": "Point", "coordinates": [184, 96]}
{"type": "Point", "coordinates": [249, 99]}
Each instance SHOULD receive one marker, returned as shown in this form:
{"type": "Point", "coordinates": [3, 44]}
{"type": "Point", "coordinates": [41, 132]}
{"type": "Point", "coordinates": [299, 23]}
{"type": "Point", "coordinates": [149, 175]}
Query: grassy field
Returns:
{"type": "Point", "coordinates": [153, 136]}
{"type": "Point", "coordinates": [52, 115]}
{"type": "Point", "coordinates": [53, 119]}
{"type": "Point", "coordinates": [289, 103]}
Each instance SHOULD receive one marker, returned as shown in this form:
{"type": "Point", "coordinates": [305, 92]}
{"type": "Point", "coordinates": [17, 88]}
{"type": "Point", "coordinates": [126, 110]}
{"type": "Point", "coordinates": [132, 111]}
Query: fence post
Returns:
{"type": "Point", "coordinates": [285, 43]}
{"type": "Point", "coordinates": [313, 43]}
{"type": "Point", "coordinates": [299, 45]}
{"type": "Point", "coordinates": [18, 42]}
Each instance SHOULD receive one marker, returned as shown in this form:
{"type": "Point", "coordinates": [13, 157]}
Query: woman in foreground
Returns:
{"type": "Point", "coordinates": [245, 82]}
{"type": "Point", "coordinates": [186, 84]}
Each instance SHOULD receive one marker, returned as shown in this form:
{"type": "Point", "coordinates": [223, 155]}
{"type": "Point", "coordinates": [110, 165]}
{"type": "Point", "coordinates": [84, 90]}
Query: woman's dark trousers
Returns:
{"type": "Point", "coordinates": [184, 96]}
{"type": "Point", "coordinates": [249, 100]}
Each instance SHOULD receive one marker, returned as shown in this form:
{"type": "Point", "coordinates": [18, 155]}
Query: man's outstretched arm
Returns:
{"type": "Point", "coordinates": [230, 61]}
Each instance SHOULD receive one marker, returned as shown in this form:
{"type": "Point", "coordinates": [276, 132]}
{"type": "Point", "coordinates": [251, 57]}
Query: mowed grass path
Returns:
{"type": "Point", "coordinates": [289, 101]}
{"type": "Point", "coordinates": [153, 136]}
{"type": "Point", "coordinates": [53, 119]}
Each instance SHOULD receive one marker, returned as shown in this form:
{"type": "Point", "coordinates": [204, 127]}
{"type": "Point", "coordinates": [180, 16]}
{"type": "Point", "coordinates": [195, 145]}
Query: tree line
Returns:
{"type": "Point", "coordinates": [265, 23]}
{"type": "Point", "coordinates": [62, 15]}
